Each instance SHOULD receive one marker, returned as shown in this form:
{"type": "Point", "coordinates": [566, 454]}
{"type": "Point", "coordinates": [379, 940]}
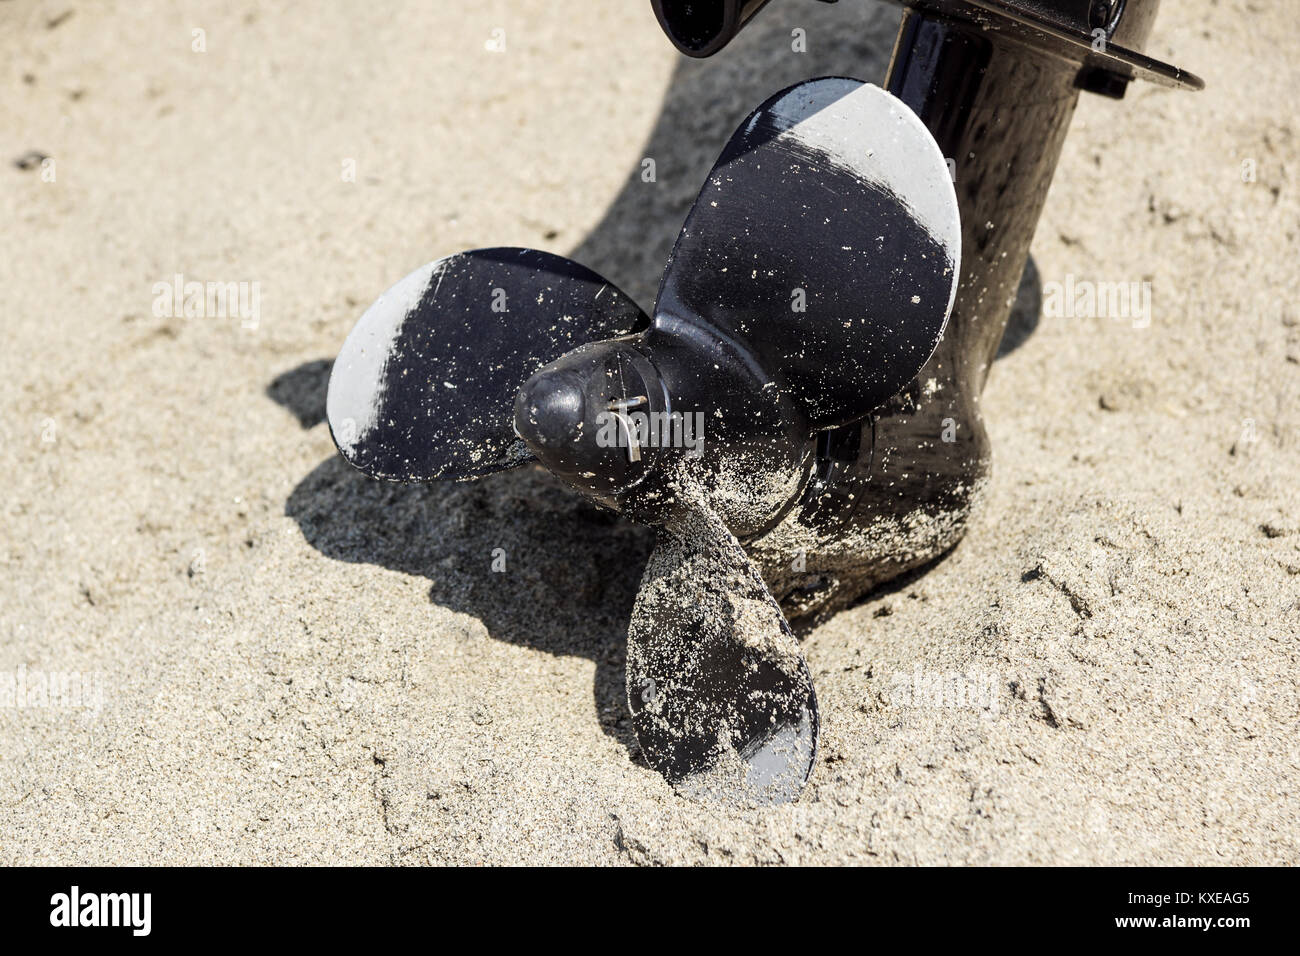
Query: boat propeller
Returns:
{"type": "Point", "coordinates": [792, 417]}
{"type": "Point", "coordinates": [811, 281]}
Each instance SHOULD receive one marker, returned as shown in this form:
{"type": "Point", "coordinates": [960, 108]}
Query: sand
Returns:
{"type": "Point", "coordinates": [280, 661]}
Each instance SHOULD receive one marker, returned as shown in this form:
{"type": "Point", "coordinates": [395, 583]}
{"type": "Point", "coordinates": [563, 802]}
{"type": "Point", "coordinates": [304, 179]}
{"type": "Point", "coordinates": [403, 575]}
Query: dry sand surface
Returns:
{"type": "Point", "coordinates": [300, 665]}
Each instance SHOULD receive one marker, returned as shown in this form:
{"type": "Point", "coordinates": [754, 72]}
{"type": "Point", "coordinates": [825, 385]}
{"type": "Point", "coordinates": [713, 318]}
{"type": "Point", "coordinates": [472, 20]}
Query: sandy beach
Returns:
{"type": "Point", "coordinates": [252, 654]}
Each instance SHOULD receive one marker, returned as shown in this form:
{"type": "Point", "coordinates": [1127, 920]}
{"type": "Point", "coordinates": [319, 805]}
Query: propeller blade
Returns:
{"type": "Point", "coordinates": [826, 238]}
{"type": "Point", "coordinates": [721, 697]}
{"type": "Point", "coordinates": [425, 384]}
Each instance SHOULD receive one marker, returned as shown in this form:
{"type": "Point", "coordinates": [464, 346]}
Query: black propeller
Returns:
{"type": "Point", "coordinates": [720, 693]}
{"type": "Point", "coordinates": [424, 386]}
{"type": "Point", "coordinates": [811, 281]}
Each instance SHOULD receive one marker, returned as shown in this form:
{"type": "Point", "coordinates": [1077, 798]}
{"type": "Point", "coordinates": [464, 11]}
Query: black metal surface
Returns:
{"type": "Point", "coordinates": [1001, 113]}
{"type": "Point", "coordinates": [1103, 38]}
{"type": "Point", "coordinates": [721, 697]}
{"type": "Point", "coordinates": [785, 217]}
{"type": "Point", "coordinates": [424, 387]}
{"type": "Point", "coordinates": [810, 282]}
{"type": "Point", "coordinates": [703, 27]}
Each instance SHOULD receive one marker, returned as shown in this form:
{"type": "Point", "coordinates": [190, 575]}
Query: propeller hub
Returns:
{"type": "Point", "coordinates": [595, 418]}
{"type": "Point", "coordinates": [551, 410]}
